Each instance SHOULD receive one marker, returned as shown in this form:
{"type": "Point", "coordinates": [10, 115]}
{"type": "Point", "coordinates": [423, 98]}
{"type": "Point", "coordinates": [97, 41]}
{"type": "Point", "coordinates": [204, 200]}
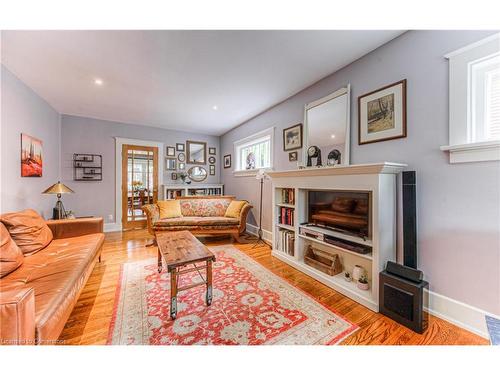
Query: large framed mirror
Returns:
{"type": "Point", "coordinates": [197, 174]}
{"type": "Point", "coordinates": [196, 152]}
{"type": "Point", "coordinates": [327, 126]}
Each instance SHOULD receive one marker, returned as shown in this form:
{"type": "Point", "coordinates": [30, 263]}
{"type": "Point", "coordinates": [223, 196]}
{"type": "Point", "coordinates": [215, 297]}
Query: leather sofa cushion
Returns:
{"type": "Point", "coordinates": [57, 274]}
{"type": "Point", "coordinates": [234, 209]}
{"type": "Point", "coordinates": [186, 221]}
{"type": "Point", "coordinates": [28, 230]}
{"type": "Point", "coordinates": [341, 204]}
{"type": "Point", "coordinates": [204, 207]}
{"type": "Point", "coordinates": [11, 256]}
{"type": "Point", "coordinates": [169, 209]}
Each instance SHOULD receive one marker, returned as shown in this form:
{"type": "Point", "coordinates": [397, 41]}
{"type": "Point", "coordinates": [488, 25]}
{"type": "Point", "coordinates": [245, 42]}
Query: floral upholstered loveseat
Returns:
{"type": "Point", "coordinates": [202, 215]}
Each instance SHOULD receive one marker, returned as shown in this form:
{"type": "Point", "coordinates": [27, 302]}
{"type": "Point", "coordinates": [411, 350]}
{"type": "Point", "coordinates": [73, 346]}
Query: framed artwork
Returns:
{"type": "Point", "coordinates": [227, 161]}
{"type": "Point", "coordinates": [212, 170]}
{"type": "Point", "coordinates": [170, 164]}
{"type": "Point", "coordinates": [180, 147]}
{"type": "Point", "coordinates": [382, 114]}
{"type": "Point", "coordinates": [182, 166]}
{"type": "Point", "coordinates": [181, 156]}
{"type": "Point", "coordinates": [196, 152]}
{"type": "Point", "coordinates": [174, 176]}
{"type": "Point", "coordinates": [292, 138]}
{"type": "Point", "coordinates": [170, 151]}
{"type": "Point", "coordinates": [292, 156]}
{"type": "Point", "coordinates": [211, 160]}
{"type": "Point", "coordinates": [211, 151]}
{"type": "Point", "coordinates": [31, 156]}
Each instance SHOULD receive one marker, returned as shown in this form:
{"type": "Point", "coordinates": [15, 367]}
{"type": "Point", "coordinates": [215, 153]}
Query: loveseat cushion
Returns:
{"type": "Point", "coordinates": [204, 207]}
{"type": "Point", "coordinates": [11, 256]}
{"type": "Point", "coordinates": [57, 274]}
{"type": "Point", "coordinates": [186, 221]}
{"type": "Point", "coordinates": [28, 230]}
{"type": "Point", "coordinates": [169, 209]}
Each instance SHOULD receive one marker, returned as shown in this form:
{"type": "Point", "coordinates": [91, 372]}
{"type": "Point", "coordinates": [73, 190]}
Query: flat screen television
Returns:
{"type": "Point", "coordinates": [345, 211]}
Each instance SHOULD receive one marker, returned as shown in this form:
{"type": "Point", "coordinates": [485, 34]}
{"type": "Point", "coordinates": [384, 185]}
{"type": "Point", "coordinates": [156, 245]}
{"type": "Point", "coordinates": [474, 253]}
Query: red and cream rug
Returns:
{"type": "Point", "coordinates": [251, 306]}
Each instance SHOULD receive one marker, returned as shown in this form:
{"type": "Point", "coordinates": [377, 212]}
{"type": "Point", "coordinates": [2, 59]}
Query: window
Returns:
{"type": "Point", "coordinates": [475, 102]}
{"type": "Point", "coordinates": [254, 153]}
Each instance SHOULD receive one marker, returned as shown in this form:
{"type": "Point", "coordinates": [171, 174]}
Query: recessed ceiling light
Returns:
{"type": "Point", "coordinates": [332, 136]}
{"type": "Point", "coordinates": [98, 81]}
{"type": "Point", "coordinates": [215, 108]}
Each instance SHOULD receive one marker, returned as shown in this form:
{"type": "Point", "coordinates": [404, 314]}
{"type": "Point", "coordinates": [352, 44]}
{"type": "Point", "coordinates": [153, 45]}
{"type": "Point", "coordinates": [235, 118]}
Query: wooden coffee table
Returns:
{"type": "Point", "coordinates": [181, 251]}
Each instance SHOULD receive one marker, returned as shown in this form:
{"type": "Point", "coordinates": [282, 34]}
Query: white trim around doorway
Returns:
{"type": "Point", "coordinates": [119, 142]}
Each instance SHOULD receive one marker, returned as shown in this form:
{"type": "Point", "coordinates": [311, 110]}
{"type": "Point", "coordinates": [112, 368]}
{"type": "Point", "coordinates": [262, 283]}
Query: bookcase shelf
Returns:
{"type": "Point", "coordinates": [183, 190]}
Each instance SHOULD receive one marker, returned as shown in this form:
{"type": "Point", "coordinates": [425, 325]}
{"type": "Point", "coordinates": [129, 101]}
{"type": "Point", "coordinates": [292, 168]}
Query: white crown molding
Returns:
{"type": "Point", "coordinates": [472, 46]}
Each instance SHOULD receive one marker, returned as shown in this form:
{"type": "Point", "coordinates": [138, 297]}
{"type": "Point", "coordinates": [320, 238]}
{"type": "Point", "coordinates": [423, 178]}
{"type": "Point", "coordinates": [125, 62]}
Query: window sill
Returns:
{"type": "Point", "coordinates": [473, 152]}
{"type": "Point", "coordinates": [249, 172]}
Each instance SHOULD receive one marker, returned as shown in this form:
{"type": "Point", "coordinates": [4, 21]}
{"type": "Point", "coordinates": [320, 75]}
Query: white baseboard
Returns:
{"type": "Point", "coordinates": [461, 314]}
{"type": "Point", "coordinates": [112, 227]}
{"type": "Point", "coordinates": [266, 235]}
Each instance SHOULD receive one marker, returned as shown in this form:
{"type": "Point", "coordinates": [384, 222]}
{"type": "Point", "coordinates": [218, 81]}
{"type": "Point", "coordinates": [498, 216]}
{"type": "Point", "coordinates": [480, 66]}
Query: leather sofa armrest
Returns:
{"type": "Point", "coordinates": [243, 217]}
{"type": "Point", "coordinates": [17, 317]}
{"type": "Point", "coordinates": [66, 228]}
{"type": "Point", "coordinates": [152, 215]}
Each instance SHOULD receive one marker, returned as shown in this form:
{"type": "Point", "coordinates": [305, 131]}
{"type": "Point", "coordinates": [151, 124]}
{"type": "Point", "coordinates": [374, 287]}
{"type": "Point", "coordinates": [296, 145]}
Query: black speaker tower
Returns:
{"type": "Point", "coordinates": [401, 287]}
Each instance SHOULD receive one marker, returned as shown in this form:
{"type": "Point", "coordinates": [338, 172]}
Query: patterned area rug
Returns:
{"type": "Point", "coordinates": [251, 306]}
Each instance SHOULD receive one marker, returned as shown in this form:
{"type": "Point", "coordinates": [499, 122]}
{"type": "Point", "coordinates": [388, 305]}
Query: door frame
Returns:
{"type": "Point", "coordinates": [119, 142]}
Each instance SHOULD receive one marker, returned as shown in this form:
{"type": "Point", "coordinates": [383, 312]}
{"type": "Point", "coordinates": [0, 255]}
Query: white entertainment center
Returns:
{"type": "Point", "coordinates": [379, 181]}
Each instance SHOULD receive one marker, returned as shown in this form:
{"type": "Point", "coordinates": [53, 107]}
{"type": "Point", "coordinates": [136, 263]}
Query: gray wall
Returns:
{"type": "Point", "coordinates": [86, 135]}
{"type": "Point", "coordinates": [458, 205]}
{"type": "Point", "coordinates": [23, 111]}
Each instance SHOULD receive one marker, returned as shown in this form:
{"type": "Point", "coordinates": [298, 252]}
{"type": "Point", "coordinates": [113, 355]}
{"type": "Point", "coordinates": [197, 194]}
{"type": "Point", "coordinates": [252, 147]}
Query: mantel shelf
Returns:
{"type": "Point", "coordinates": [376, 168]}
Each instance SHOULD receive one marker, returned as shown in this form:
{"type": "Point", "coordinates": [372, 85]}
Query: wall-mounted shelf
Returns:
{"type": "Point", "coordinates": [87, 167]}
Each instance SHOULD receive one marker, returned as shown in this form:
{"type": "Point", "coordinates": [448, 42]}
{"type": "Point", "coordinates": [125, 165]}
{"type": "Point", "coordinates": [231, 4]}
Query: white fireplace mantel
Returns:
{"type": "Point", "coordinates": [375, 168]}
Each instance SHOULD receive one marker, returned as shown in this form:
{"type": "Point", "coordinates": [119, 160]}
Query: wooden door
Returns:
{"type": "Point", "coordinates": [139, 183]}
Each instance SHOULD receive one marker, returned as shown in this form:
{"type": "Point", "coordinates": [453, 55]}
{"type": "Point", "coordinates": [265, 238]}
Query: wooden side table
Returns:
{"type": "Point", "coordinates": [181, 252]}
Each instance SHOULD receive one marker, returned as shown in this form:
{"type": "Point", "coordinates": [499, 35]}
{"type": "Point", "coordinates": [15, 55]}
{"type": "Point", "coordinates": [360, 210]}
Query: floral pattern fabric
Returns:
{"type": "Point", "coordinates": [251, 306]}
{"type": "Point", "coordinates": [204, 207]}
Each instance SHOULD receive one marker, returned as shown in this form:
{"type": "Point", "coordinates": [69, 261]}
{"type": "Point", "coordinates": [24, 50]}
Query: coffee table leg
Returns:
{"type": "Point", "coordinates": [209, 283]}
{"type": "Point", "coordinates": [173, 293]}
{"type": "Point", "coordinates": [160, 264]}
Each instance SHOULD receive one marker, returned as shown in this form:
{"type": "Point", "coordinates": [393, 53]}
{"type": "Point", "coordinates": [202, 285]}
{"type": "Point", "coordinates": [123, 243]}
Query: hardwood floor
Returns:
{"type": "Point", "coordinates": [90, 319]}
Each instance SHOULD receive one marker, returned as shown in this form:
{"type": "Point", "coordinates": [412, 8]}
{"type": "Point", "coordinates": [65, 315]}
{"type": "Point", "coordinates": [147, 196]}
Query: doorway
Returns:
{"type": "Point", "coordinates": [139, 183]}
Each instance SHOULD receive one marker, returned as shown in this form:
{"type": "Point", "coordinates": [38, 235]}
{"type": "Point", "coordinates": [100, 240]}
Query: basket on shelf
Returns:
{"type": "Point", "coordinates": [323, 261]}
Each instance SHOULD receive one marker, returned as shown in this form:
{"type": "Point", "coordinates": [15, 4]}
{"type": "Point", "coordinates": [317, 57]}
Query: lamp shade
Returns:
{"type": "Point", "coordinates": [58, 188]}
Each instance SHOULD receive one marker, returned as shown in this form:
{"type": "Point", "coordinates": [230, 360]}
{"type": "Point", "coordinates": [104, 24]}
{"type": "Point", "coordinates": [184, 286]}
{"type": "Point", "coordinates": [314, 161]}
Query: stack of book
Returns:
{"type": "Point", "coordinates": [286, 216]}
{"type": "Point", "coordinates": [286, 241]}
{"type": "Point", "coordinates": [288, 196]}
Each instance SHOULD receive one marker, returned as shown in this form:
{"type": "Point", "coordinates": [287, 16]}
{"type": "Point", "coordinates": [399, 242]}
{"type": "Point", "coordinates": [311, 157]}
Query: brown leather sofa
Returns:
{"type": "Point", "coordinates": [201, 215]}
{"type": "Point", "coordinates": [37, 298]}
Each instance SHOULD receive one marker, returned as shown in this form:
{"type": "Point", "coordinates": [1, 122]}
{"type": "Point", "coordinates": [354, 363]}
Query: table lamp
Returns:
{"type": "Point", "coordinates": [58, 212]}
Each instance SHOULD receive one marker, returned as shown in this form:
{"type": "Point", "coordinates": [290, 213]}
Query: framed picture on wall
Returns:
{"type": "Point", "coordinates": [170, 164]}
{"type": "Point", "coordinates": [382, 114]}
{"type": "Point", "coordinates": [31, 156]}
{"type": "Point", "coordinates": [181, 156]}
{"type": "Point", "coordinates": [227, 161]}
{"type": "Point", "coordinates": [180, 147]}
{"type": "Point", "coordinates": [182, 166]}
{"type": "Point", "coordinates": [211, 151]}
{"type": "Point", "coordinates": [174, 176]}
{"type": "Point", "coordinates": [292, 156]}
{"type": "Point", "coordinates": [211, 160]}
{"type": "Point", "coordinates": [170, 151]}
{"type": "Point", "coordinates": [212, 170]}
{"type": "Point", "coordinates": [292, 138]}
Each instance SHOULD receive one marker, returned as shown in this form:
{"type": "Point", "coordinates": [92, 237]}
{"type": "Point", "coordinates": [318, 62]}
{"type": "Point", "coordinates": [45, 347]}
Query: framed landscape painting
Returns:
{"type": "Point", "coordinates": [31, 156]}
{"type": "Point", "coordinates": [382, 114]}
{"type": "Point", "coordinates": [292, 138]}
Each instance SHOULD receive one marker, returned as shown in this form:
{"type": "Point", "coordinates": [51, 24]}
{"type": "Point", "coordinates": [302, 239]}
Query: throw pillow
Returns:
{"type": "Point", "coordinates": [234, 209]}
{"type": "Point", "coordinates": [169, 209]}
{"type": "Point", "coordinates": [28, 230]}
{"type": "Point", "coordinates": [11, 256]}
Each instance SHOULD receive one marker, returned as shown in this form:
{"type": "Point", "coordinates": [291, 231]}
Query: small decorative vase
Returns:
{"type": "Point", "coordinates": [347, 278]}
{"type": "Point", "coordinates": [363, 286]}
{"type": "Point", "coordinates": [357, 272]}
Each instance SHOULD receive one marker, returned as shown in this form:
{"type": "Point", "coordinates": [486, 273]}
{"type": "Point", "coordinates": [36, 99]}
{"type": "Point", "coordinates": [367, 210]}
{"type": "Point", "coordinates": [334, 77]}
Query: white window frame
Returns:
{"type": "Point", "coordinates": [269, 132]}
{"type": "Point", "coordinates": [462, 148]}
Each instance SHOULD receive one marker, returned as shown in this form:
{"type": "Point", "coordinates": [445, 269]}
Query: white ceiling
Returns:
{"type": "Point", "coordinates": [172, 79]}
